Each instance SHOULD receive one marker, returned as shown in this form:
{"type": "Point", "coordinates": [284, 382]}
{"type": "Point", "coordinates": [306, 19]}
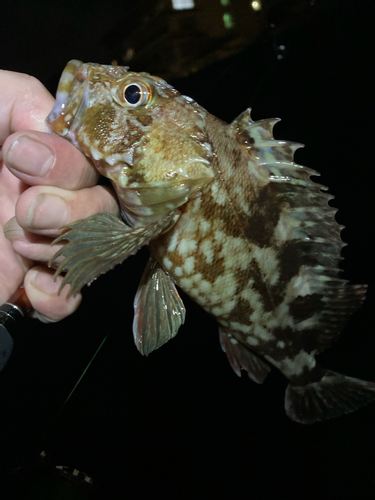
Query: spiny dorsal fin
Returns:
{"type": "Point", "coordinates": [258, 136]}
{"type": "Point", "coordinates": [245, 124]}
{"type": "Point", "coordinates": [306, 230]}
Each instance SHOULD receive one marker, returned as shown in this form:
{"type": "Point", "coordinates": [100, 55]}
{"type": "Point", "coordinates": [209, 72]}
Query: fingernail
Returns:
{"type": "Point", "coordinates": [47, 211]}
{"type": "Point", "coordinates": [12, 230]}
{"type": "Point", "coordinates": [29, 156]}
{"type": "Point", "coordinates": [44, 281]}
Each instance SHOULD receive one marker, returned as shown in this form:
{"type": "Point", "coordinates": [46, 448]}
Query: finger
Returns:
{"type": "Point", "coordinates": [29, 245]}
{"type": "Point", "coordinates": [24, 103]}
{"type": "Point", "coordinates": [12, 268]}
{"type": "Point", "coordinates": [44, 158]}
{"type": "Point", "coordinates": [39, 216]}
{"type": "Point", "coordinates": [42, 292]}
{"type": "Point", "coordinates": [44, 209]}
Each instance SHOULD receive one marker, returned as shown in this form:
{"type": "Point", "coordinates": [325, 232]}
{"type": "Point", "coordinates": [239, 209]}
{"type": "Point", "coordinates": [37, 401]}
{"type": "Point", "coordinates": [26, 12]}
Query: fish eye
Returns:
{"type": "Point", "coordinates": [135, 94]}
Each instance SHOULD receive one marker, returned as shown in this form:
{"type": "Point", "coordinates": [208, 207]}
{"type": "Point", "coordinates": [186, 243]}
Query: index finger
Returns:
{"type": "Point", "coordinates": [24, 104]}
{"type": "Point", "coordinates": [31, 154]}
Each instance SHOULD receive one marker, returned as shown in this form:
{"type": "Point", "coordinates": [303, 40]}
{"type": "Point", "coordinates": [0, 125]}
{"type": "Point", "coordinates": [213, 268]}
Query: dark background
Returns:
{"type": "Point", "coordinates": [180, 424]}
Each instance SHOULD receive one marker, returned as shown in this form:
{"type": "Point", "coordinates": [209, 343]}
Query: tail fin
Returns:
{"type": "Point", "coordinates": [333, 395]}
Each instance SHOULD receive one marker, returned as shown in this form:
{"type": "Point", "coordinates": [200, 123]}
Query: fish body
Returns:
{"type": "Point", "coordinates": [229, 217]}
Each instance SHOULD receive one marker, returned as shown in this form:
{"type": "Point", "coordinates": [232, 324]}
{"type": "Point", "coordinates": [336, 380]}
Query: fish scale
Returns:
{"type": "Point", "coordinates": [229, 218]}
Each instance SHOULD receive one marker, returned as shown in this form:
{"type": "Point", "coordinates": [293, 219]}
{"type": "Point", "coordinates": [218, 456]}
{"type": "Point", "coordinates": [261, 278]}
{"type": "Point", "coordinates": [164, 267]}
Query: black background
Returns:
{"type": "Point", "coordinates": [180, 424]}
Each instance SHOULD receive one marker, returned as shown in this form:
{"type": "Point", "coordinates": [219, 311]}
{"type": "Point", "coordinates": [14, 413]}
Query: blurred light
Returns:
{"type": "Point", "coordinates": [256, 5]}
{"type": "Point", "coordinates": [228, 20]}
{"type": "Point", "coordinates": [225, 2]}
{"type": "Point", "coordinates": [183, 4]}
{"type": "Point", "coordinates": [280, 52]}
{"type": "Point", "coordinates": [129, 54]}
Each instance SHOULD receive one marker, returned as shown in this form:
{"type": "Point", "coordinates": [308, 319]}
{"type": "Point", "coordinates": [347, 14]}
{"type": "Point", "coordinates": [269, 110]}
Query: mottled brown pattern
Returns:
{"type": "Point", "coordinates": [255, 241]}
{"type": "Point", "coordinates": [223, 214]}
{"type": "Point", "coordinates": [98, 121]}
{"type": "Point", "coordinates": [260, 286]}
{"type": "Point", "coordinates": [264, 218]}
{"type": "Point", "coordinates": [144, 119]}
{"type": "Point", "coordinates": [290, 261]}
{"type": "Point", "coordinates": [138, 177]}
{"type": "Point", "coordinates": [301, 307]}
{"type": "Point", "coordinates": [242, 310]}
{"type": "Point", "coordinates": [245, 140]}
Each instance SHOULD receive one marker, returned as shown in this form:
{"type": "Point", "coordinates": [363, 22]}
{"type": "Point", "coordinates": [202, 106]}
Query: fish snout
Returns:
{"type": "Point", "coordinates": [70, 96]}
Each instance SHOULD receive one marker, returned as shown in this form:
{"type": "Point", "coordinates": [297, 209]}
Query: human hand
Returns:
{"type": "Point", "coordinates": [47, 183]}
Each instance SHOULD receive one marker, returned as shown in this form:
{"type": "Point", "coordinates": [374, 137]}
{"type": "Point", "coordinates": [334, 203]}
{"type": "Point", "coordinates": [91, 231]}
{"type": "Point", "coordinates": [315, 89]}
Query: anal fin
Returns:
{"type": "Point", "coordinates": [239, 356]}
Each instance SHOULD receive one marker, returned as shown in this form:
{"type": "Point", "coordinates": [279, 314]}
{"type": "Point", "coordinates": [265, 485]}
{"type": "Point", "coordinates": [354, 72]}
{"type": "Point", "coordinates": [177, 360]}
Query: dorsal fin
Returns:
{"type": "Point", "coordinates": [306, 236]}
{"type": "Point", "coordinates": [259, 136]}
{"type": "Point", "coordinates": [245, 125]}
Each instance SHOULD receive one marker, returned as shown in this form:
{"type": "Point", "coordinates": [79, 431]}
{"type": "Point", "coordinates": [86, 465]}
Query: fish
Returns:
{"type": "Point", "coordinates": [229, 218]}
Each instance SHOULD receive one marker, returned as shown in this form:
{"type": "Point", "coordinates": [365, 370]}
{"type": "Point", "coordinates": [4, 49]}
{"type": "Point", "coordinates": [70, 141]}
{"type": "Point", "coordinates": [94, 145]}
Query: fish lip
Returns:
{"type": "Point", "coordinates": [74, 77]}
{"type": "Point", "coordinates": [79, 114]}
{"type": "Point", "coordinates": [64, 86]}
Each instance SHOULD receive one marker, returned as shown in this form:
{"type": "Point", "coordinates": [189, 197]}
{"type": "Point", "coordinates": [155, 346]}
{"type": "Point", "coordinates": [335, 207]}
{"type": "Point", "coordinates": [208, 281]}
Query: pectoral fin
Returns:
{"type": "Point", "coordinates": [96, 244]}
{"type": "Point", "coordinates": [158, 309]}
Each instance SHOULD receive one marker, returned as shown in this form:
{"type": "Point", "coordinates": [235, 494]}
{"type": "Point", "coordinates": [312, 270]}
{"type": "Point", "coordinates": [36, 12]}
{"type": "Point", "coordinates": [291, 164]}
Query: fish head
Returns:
{"type": "Point", "coordinates": [141, 133]}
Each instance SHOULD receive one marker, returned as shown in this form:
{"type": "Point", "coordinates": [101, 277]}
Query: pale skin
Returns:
{"type": "Point", "coordinates": [45, 182]}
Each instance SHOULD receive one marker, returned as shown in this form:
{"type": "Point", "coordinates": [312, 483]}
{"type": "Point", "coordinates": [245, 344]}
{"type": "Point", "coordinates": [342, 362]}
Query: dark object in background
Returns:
{"type": "Point", "coordinates": [41, 479]}
{"type": "Point", "coordinates": [11, 315]}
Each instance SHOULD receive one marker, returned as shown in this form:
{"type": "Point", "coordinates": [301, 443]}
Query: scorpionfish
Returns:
{"type": "Point", "coordinates": [229, 217]}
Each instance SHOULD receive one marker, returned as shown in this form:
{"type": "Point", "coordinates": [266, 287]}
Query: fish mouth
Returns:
{"type": "Point", "coordinates": [71, 100]}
